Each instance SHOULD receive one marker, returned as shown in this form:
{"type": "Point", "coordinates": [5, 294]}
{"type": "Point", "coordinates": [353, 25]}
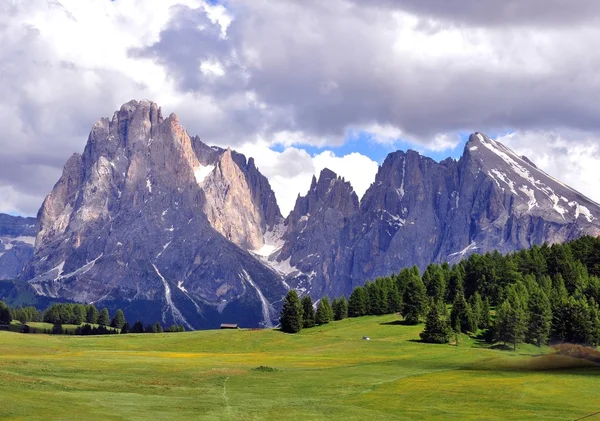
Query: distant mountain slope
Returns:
{"type": "Point", "coordinates": [167, 227]}
{"type": "Point", "coordinates": [17, 239]}
{"type": "Point", "coordinates": [419, 211]}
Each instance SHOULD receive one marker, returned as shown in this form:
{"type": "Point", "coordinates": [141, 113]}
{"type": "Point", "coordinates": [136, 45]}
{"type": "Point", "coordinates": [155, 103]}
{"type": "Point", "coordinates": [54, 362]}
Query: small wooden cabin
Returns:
{"type": "Point", "coordinates": [229, 326]}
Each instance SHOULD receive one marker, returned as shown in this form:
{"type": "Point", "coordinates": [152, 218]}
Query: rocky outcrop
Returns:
{"type": "Point", "coordinates": [169, 228]}
{"type": "Point", "coordinates": [420, 211]}
{"type": "Point", "coordinates": [317, 235]}
{"type": "Point", "coordinates": [132, 221]}
{"type": "Point", "coordinates": [17, 238]}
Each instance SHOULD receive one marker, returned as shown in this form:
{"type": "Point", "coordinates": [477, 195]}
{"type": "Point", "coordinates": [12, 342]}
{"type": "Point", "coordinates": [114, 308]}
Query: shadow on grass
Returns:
{"type": "Point", "coordinates": [398, 323]}
{"type": "Point", "coordinates": [420, 341]}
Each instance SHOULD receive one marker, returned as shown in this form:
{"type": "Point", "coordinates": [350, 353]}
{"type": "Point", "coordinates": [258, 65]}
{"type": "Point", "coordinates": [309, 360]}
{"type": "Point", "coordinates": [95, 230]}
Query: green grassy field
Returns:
{"type": "Point", "coordinates": [324, 373]}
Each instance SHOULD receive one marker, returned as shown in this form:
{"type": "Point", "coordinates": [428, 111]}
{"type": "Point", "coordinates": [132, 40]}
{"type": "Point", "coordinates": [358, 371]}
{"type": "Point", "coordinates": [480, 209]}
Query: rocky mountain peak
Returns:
{"type": "Point", "coordinates": [146, 212]}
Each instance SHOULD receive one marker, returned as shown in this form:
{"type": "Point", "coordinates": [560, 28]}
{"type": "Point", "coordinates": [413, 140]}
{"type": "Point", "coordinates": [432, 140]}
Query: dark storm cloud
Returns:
{"type": "Point", "coordinates": [555, 13]}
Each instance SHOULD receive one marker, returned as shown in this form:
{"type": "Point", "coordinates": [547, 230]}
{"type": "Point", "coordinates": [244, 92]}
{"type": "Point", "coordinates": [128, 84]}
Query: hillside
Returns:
{"type": "Point", "coordinates": [324, 373]}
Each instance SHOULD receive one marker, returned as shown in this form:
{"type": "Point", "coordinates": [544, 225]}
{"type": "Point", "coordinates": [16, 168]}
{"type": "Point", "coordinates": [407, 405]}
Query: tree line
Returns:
{"type": "Point", "coordinates": [540, 295]}
{"type": "Point", "coordinates": [88, 319]}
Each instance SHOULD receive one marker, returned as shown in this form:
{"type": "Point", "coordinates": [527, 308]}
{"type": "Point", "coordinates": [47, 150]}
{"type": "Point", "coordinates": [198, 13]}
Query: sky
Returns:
{"type": "Point", "coordinates": [301, 85]}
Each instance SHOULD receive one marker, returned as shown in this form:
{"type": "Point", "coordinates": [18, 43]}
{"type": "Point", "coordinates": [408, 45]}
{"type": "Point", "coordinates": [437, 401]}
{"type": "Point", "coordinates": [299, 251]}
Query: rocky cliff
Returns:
{"type": "Point", "coordinates": [17, 238]}
{"type": "Point", "coordinates": [153, 221]}
{"type": "Point", "coordinates": [169, 228]}
{"type": "Point", "coordinates": [420, 211]}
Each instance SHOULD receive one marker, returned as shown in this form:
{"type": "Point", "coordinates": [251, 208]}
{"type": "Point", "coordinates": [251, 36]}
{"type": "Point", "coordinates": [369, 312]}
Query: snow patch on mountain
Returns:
{"type": "Point", "coordinates": [265, 304]}
{"type": "Point", "coordinates": [177, 316]}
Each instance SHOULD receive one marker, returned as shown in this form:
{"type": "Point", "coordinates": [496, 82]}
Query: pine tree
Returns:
{"type": "Point", "coordinates": [394, 298]}
{"type": "Point", "coordinates": [540, 317]}
{"type": "Point", "coordinates": [476, 305]}
{"type": "Point", "coordinates": [415, 300]}
{"type": "Point", "coordinates": [510, 324]}
{"type": "Point", "coordinates": [334, 306]}
{"type": "Point", "coordinates": [157, 328]}
{"type": "Point", "coordinates": [291, 313]}
{"type": "Point", "coordinates": [138, 327]}
{"type": "Point", "coordinates": [79, 314]}
{"type": "Point", "coordinates": [5, 317]}
{"type": "Point", "coordinates": [324, 311]}
{"type": "Point", "coordinates": [461, 316]}
{"type": "Point", "coordinates": [92, 314]}
{"type": "Point", "coordinates": [340, 311]}
{"type": "Point", "coordinates": [594, 313]}
{"type": "Point", "coordinates": [485, 314]}
{"type": "Point", "coordinates": [436, 330]}
{"type": "Point", "coordinates": [308, 312]}
{"type": "Point", "coordinates": [119, 320]}
{"type": "Point", "coordinates": [357, 304]}
{"type": "Point", "coordinates": [125, 328]}
{"type": "Point", "coordinates": [433, 278]}
{"type": "Point", "coordinates": [104, 317]}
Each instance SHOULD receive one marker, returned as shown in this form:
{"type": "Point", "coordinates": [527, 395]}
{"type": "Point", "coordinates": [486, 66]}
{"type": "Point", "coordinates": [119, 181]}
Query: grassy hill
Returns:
{"type": "Point", "coordinates": [324, 373]}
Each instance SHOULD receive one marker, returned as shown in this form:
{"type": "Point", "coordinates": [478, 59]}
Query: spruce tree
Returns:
{"type": "Point", "coordinates": [540, 317]}
{"type": "Point", "coordinates": [157, 328]}
{"type": "Point", "coordinates": [341, 311]}
{"type": "Point", "coordinates": [415, 300]}
{"type": "Point", "coordinates": [510, 324]}
{"type": "Point", "coordinates": [79, 314]}
{"type": "Point", "coordinates": [485, 314]}
{"type": "Point", "coordinates": [461, 316]}
{"type": "Point", "coordinates": [125, 328]}
{"type": "Point", "coordinates": [92, 314]}
{"type": "Point", "coordinates": [436, 330]}
{"type": "Point", "coordinates": [308, 312]}
{"type": "Point", "coordinates": [138, 327]}
{"type": "Point", "coordinates": [5, 317]}
{"type": "Point", "coordinates": [334, 306]}
{"type": "Point", "coordinates": [433, 278]}
{"type": "Point", "coordinates": [291, 313]}
{"type": "Point", "coordinates": [594, 313]}
{"type": "Point", "coordinates": [455, 283]}
{"type": "Point", "coordinates": [476, 305]}
{"type": "Point", "coordinates": [119, 320]}
{"type": "Point", "coordinates": [324, 311]}
{"type": "Point", "coordinates": [357, 304]}
{"type": "Point", "coordinates": [104, 317]}
{"type": "Point", "coordinates": [394, 298]}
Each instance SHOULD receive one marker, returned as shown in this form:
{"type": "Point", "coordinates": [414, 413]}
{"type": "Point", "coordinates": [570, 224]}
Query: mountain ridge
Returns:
{"type": "Point", "coordinates": [161, 224]}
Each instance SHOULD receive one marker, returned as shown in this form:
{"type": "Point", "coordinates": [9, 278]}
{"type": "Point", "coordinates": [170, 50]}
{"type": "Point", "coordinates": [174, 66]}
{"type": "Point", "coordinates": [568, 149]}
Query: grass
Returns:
{"type": "Point", "coordinates": [324, 373]}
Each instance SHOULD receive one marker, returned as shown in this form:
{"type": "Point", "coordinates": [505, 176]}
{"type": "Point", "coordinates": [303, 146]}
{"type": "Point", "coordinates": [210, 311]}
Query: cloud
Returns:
{"type": "Point", "coordinates": [290, 171]}
{"type": "Point", "coordinates": [294, 73]}
{"type": "Point", "coordinates": [571, 157]}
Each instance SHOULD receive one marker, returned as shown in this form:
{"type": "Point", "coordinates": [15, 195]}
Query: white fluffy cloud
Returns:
{"type": "Point", "coordinates": [297, 73]}
{"type": "Point", "coordinates": [571, 157]}
{"type": "Point", "coordinates": [290, 172]}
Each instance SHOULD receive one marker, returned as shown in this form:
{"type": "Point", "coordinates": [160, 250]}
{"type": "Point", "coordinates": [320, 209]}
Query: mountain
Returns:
{"type": "Point", "coordinates": [166, 227]}
{"type": "Point", "coordinates": [17, 238]}
{"type": "Point", "coordinates": [419, 211]}
{"type": "Point", "coordinates": [159, 224]}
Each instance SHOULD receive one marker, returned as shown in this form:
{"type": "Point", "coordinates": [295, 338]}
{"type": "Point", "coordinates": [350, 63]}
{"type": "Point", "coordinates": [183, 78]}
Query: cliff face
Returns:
{"type": "Point", "coordinates": [169, 228]}
{"type": "Point", "coordinates": [17, 238]}
{"type": "Point", "coordinates": [143, 216]}
{"type": "Point", "coordinates": [419, 211]}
